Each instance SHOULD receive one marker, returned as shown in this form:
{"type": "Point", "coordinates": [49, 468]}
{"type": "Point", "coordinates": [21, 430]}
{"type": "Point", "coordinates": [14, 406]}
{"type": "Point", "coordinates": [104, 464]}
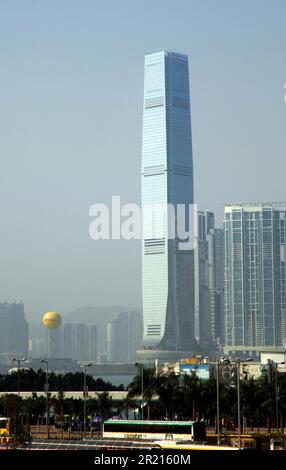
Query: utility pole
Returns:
{"type": "Point", "coordinates": [277, 394]}
{"type": "Point", "coordinates": [18, 371]}
{"type": "Point", "coordinates": [84, 397]}
{"type": "Point", "coordinates": [217, 404]}
{"type": "Point", "coordinates": [142, 387]}
{"type": "Point", "coordinates": [238, 403]}
{"type": "Point", "coordinates": [47, 398]}
{"type": "Point", "coordinates": [238, 362]}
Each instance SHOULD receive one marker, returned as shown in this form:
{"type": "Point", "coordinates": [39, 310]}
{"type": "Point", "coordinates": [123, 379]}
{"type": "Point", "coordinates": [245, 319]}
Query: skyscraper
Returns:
{"type": "Point", "coordinates": [13, 328]}
{"type": "Point", "coordinates": [217, 257]}
{"type": "Point", "coordinates": [208, 282]}
{"type": "Point", "coordinates": [167, 178]}
{"type": "Point", "coordinates": [92, 343]}
{"type": "Point", "coordinates": [124, 336]}
{"type": "Point", "coordinates": [255, 277]}
{"type": "Point", "coordinates": [76, 341]}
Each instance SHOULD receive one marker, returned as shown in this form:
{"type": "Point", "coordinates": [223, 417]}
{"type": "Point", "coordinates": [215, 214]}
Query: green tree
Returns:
{"type": "Point", "coordinates": [191, 394]}
{"type": "Point", "coordinates": [104, 404]}
{"type": "Point", "coordinates": [169, 391]}
{"type": "Point", "coordinates": [149, 386]}
{"type": "Point", "coordinates": [21, 433]}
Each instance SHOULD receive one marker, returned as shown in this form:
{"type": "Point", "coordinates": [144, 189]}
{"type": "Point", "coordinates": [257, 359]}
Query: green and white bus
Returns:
{"type": "Point", "coordinates": [139, 429]}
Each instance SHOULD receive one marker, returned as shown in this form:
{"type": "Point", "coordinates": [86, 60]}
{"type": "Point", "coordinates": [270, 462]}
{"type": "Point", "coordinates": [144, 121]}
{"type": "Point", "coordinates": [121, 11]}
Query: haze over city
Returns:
{"type": "Point", "coordinates": [71, 130]}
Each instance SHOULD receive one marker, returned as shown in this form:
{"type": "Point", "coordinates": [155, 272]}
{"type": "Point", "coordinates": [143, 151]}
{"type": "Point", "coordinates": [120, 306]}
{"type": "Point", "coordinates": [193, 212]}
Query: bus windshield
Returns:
{"type": "Point", "coordinates": [3, 423]}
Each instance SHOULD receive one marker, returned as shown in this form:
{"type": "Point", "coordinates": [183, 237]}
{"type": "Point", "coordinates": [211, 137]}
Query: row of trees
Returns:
{"type": "Point", "coordinates": [33, 409]}
{"type": "Point", "coordinates": [165, 397]}
{"type": "Point", "coordinates": [188, 397]}
{"type": "Point", "coordinates": [31, 380]}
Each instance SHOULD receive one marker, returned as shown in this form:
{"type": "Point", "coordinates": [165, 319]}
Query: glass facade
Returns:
{"type": "Point", "coordinates": [255, 284]}
{"type": "Point", "coordinates": [208, 282]}
{"type": "Point", "coordinates": [167, 178]}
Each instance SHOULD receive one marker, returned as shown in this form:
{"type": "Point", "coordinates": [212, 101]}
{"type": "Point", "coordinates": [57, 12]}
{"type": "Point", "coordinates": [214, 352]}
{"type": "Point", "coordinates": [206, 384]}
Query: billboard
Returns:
{"type": "Point", "coordinates": [202, 371]}
{"type": "Point", "coordinates": [248, 371]}
{"type": "Point", "coordinates": [189, 360]}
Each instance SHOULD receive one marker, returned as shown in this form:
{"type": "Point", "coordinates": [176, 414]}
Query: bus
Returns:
{"type": "Point", "coordinates": [166, 430]}
{"type": "Point", "coordinates": [4, 426]}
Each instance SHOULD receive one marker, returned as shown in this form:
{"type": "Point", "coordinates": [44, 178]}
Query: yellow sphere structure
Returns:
{"type": "Point", "coordinates": [52, 320]}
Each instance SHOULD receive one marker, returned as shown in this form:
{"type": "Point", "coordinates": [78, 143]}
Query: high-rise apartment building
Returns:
{"type": "Point", "coordinates": [76, 341]}
{"type": "Point", "coordinates": [217, 260]}
{"type": "Point", "coordinates": [124, 337]}
{"type": "Point", "coordinates": [208, 282]}
{"type": "Point", "coordinates": [167, 178]}
{"type": "Point", "coordinates": [13, 328]}
{"type": "Point", "coordinates": [255, 277]}
{"type": "Point", "coordinates": [92, 343]}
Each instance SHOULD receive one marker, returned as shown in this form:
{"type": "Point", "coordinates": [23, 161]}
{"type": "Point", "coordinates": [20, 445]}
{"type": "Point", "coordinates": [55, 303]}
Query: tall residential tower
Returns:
{"type": "Point", "coordinates": [209, 283]}
{"type": "Point", "coordinates": [255, 276]}
{"type": "Point", "coordinates": [13, 329]}
{"type": "Point", "coordinates": [167, 178]}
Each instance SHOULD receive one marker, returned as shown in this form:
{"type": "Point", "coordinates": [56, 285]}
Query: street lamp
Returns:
{"type": "Point", "coordinates": [217, 406]}
{"type": "Point", "coordinates": [19, 364]}
{"type": "Point", "coordinates": [277, 394]}
{"type": "Point", "coordinates": [223, 361]}
{"type": "Point", "coordinates": [142, 387]}
{"type": "Point", "coordinates": [238, 362]}
{"type": "Point", "coordinates": [47, 398]}
{"type": "Point", "coordinates": [84, 397]}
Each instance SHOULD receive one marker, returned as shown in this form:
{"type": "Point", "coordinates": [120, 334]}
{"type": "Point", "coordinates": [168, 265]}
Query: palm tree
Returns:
{"type": "Point", "coordinates": [36, 407]}
{"type": "Point", "coordinates": [250, 400]}
{"type": "Point", "coordinates": [104, 404]}
{"type": "Point", "coordinates": [149, 386]}
{"type": "Point", "coordinates": [127, 404]}
{"type": "Point", "coordinates": [59, 406]}
{"type": "Point", "coordinates": [191, 392]}
{"type": "Point", "coordinates": [169, 391]}
{"type": "Point", "coordinates": [228, 403]}
{"type": "Point", "coordinates": [207, 398]}
{"type": "Point", "coordinates": [266, 402]}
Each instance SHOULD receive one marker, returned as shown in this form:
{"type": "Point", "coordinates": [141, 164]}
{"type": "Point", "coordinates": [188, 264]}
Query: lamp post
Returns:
{"type": "Point", "coordinates": [238, 362]}
{"type": "Point", "coordinates": [238, 402]}
{"type": "Point", "coordinates": [142, 387]}
{"type": "Point", "coordinates": [277, 394]}
{"type": "Point", "coordinates": [217, 404]}
{"type": "Point", "coordinates": [84, 397]}
{"type": "Point", "coordinates": [47, 397]}
{"type": "Point", "coordinates": [223, 361]}
{"type": "Point", "coordinates": [19, 365]}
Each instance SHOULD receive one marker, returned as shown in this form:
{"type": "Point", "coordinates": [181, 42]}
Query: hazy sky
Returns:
{"type": "Point", "coordinates": [70, 130]}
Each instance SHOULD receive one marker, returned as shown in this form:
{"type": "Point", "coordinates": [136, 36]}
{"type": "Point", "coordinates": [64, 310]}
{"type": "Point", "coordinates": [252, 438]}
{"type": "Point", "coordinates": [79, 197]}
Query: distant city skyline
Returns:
{"type": "Point", "coordinates": [71, 101]}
